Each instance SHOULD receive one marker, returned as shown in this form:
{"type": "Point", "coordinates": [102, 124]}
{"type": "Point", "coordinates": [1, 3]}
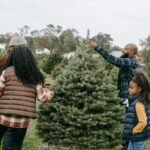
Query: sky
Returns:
{"type": "Point", "coordinates": [125, 20]}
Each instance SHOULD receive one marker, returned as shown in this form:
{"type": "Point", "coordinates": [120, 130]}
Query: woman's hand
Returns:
{"type": "Point", "coordinates": [50, 95]}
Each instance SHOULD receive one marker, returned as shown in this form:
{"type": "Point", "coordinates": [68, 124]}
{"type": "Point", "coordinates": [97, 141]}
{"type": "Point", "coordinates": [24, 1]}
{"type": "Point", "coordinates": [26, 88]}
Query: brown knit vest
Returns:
{"type": "Point", "coordinates": [17, 99]}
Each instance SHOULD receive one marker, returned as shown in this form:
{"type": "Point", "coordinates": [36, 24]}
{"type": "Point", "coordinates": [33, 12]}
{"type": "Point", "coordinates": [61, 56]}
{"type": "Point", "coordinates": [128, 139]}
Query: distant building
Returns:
{"type": "Point", "coordinates": [2, 47]}
{"type": "Point", "coordinates": [69, 55]}
{"type": "Point", "coordinates": [44, 51]}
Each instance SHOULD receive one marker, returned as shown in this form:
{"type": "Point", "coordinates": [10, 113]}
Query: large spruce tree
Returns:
{"type": "Point", "coordinates": [85, 112]}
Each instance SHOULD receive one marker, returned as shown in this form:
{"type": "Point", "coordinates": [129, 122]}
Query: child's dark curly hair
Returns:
{"type": "Point", "coordinates": [142, 80]}
{"type": "Point", "coordinates": [25, 65]}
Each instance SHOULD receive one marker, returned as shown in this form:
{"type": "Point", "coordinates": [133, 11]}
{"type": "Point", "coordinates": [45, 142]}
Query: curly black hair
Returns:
{"type": "Point", "coordinates": [142, 80]}
{"type": "Point", "coordinates": [25, 65]}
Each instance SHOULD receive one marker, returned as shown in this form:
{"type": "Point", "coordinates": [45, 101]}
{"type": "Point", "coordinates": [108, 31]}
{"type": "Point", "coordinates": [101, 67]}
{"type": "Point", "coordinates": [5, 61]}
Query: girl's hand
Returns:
{"type": "Point", "coordinates": [46, 85]}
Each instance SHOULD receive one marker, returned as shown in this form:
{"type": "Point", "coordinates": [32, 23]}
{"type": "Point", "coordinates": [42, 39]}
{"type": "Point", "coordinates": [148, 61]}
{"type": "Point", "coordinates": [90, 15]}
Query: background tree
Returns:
{"type": "Point", "coordinates": [24, 30]}
{"type": "Point", "coordinates": [2, 38]}
{"type": "Point", "coordinates": [8, 36]}
{"type": "Point", "coordinates": [30, 42]}
{"type": "Point", "coordinates": [51, 30]}
{"type": "Point", "coordinates": [42, 59]}
{"type": "Point", "coordinates": [68, 41]}
{"type": "Point", "coordinates": [105, 40]}
{"type": "Point", "coordinates": [115, 48]}
{"type": "Point", "coordinates": [145, 44]}
{"type": "Point", "coordinates": [35, 33]}
{"type": "Point", "coordinates": [52, 33]}
{"type": "Point", "coordinates": [41, 42]}
{"type": "Point", "coordinates": [52, 60]}
{"type": "Point", "coordinates": [59, 67]}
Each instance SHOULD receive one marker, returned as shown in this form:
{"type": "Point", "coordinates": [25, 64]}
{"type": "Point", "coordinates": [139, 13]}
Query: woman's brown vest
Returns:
{"type": "Point", "coordinates": [17, 99]}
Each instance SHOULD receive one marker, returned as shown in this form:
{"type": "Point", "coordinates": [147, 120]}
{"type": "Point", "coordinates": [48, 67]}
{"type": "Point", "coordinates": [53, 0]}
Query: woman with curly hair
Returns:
{"type": "Point", "coordinates": [15, 40]}
{"type": "Point", "coordinates": [20, 83]}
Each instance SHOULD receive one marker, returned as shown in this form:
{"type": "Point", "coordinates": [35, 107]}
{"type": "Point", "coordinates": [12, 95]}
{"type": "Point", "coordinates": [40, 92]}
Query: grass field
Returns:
{"type": "Point", "coordinates": [147, 145]}
{"type": "Point", "coordinates": [33, 142]}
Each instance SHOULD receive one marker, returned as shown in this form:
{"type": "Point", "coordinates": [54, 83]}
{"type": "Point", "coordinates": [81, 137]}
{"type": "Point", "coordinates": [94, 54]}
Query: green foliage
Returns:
{"type": "Point", "coordinates": [1, 54]}
{"type": "Point", "coordinates": [42, 42]}
{"type": "Point", "coordinates": [42, 58]}
{"type": "Point", "coordinates": [53, 60]}
{"type": "Point", "coordinates": [84, 112]}
{"type": "Point", "coordinates": [58, 68]}
{"type": "Point", "coordinates": [68, 41]}
{"type": "Point", "coordinates": [115, 48]}
{"type": "Point", "coordinates": [146, 54]}
{"type": "Point", "coordinates": [32, 141]}
{"type": "Point", "coordinates": [2, 38]}
{"type": "Point", "coordinates": [105, 40]}
{"type": "Point", "coordinates": [146, 60]}
{"type": "Point", "coordinates": [30, 42]}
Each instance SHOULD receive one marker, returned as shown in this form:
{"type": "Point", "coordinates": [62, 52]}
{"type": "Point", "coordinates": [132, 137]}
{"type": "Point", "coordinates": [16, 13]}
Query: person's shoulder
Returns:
{"type": "Point", "coordinates": [133, 58]}
{"type": "Point", "coordinates": [9, 70]}
{"type": "Point", "coordinates": [139, 105]}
